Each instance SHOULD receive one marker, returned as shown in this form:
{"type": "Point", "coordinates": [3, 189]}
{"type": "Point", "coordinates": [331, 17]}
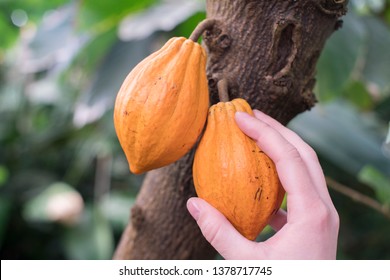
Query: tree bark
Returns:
{"type": "Point", "coordinates": [267, 51]}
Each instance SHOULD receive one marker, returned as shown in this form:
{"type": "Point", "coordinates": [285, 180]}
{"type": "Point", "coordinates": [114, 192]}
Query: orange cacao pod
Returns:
{"type": "Point", "coordinates": [233, 174]}
{"type": "Point", "coordinates": [161, 108]}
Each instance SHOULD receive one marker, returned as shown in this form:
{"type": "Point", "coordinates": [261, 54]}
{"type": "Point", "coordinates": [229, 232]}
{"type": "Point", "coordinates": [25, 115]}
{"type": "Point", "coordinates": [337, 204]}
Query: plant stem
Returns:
{"type": "Point", "coordinates": [223, 90]}
{"type": "Point", "coordinates": [359, 197]}
{"type": "Point", "coordinates": [200, 28]}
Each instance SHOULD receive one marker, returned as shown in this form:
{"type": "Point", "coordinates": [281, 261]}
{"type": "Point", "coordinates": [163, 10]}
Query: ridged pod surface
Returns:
{"type": "Point", "coordinates": [233, 174]}
{"type": "Point", "coordinates": [162, 106]}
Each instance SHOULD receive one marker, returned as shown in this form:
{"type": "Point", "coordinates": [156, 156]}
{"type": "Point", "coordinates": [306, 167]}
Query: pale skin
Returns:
{"type": "Point", "coordinates": [307, 230]}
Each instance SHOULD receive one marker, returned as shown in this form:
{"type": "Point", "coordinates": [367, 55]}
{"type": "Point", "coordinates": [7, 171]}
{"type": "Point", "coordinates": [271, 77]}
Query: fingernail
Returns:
{"type": "Point", "coordinates": [258, 112]}
{"type": "Point", "coordinates": [193, 208]}
{"type": "Point", "coordinates": [241, 114]}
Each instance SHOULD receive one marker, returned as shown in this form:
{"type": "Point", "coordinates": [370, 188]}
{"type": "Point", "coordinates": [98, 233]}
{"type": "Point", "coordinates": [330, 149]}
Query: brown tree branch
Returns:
{"type": "Point", "coordinates": [359, 197]}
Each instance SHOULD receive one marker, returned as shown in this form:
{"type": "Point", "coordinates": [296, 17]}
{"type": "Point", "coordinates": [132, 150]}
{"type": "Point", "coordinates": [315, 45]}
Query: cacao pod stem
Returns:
{"type": "Point", "coordinates": [200, 28]}
{"type": "Point", "coordinates": [223, 90]}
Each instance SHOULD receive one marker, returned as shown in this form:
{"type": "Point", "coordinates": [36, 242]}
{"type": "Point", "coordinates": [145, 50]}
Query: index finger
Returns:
{"type": "Point", "coordinates": [307, 153]}
{"type": "Point", "coordinates": [292, 170]}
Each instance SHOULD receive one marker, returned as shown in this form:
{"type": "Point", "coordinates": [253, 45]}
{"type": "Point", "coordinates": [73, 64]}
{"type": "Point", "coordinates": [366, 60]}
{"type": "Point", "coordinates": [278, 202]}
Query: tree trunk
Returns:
{"type": "Point", "coordinates": [267, 51]}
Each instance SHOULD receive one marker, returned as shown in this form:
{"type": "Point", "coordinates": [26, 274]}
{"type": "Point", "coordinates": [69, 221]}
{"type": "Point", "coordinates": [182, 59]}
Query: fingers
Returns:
{"type": "Point", "coordinates": [278, 220]}
{"type": "Point", "coordinates": [292, 170]}
{"type": "Point", "coordinates": [308, 155]}
{"type": "Point", "coordinates": [220, 233]}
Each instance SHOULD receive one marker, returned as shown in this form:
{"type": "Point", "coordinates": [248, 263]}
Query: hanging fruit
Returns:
{"type": "Point", "coordinates": [233, 174]}
{"type": "Point", "coordinates": [161, 108]}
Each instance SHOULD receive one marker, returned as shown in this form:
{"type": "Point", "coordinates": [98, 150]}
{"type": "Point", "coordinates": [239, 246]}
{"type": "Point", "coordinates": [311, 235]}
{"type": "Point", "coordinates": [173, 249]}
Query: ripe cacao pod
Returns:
{"type": "Point", "coordinates": [161, 108]}
{"type": "Point", "coordinates": [233, 174]}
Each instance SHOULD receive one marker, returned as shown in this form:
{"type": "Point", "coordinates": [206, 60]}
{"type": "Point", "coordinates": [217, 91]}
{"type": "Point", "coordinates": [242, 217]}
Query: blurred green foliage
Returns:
{"type": "Point", "coordinates": [65, 187]}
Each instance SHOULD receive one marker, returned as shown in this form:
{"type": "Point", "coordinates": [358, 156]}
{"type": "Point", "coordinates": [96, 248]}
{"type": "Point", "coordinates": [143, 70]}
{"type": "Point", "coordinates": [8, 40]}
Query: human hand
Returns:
{"type": "Point", "coordinates": [308, 230]}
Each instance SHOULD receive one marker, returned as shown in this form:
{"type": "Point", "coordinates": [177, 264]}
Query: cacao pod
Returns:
{"type": "Point", "coordinates": [233, 174]}
{"type": "Point", "coordinates": [161, 107]}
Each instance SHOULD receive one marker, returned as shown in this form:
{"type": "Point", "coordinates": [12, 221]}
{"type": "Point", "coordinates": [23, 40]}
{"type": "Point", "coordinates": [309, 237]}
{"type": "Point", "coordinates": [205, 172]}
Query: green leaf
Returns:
{"type": "Point", "coordinates": [357, 52]}
{"type": "Point", "coordinates": [164, 16]}
{"type": "Point", "coordinates": [386, 144]}
{"type": "Point", "coordinates": [91, 239]}
{"type": "Point", "coordinates": [4, 174]}
{"type": "Point", "coordinates": [185, 29]}
{"type": "Point", "coordinates": [383, 109]}
{"type": "Point", "coordinates": [357, 93]}
{"type": "Point", "coordinates": [365, 6]}
{"type": "Point", "coordinates": [102, 235]}
{"type": "Point", "coordinates": [108, 78]}
{"type": "Point", "coordinates": [35, 8]}
{"type": "Point", "coordinates": [5, 208]}
{"type": "Point", "coordinates": [116, 209]}
{"type": "Point", "coordinates": [377, 181]}
{"type": "Point", "coordinates": [8, 33]}
{"type": "Point", "coordinates": [339, 58]}
{"type": "Point", "coordinates": [377, 59]}
{"type": "Point", "coordinates": [55, 41]}
{"type": "Point", "coordinates": [136, 43]}
{"type": "Point", "coordinates": [100, 15]}
{"type": "Point", "coordinates": [91, 54]}
{"type": "Point", "coordinates": [343, 137]}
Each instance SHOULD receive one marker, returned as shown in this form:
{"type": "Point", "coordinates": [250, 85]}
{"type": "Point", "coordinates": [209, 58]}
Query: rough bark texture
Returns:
{"type": "Point", "coordinates": [267, 51]}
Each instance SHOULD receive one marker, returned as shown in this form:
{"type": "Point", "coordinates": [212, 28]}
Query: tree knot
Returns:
{"type": "Point", "coordinates": [333, 7]}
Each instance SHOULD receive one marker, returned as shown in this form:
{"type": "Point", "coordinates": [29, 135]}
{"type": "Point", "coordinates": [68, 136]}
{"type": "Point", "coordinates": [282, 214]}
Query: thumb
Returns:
{"type": "Point", "coordinates": [219, 232]}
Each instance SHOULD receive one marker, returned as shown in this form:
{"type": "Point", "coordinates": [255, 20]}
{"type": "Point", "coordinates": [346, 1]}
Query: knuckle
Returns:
{"type": "Point", "coordinates": [335, 219]}
{"type": "Point", "coordinates": [311, 153]}
{"type": "Point", "coordinates": [292, 153]}
{"type": "Point", "coordinates": [215, 237]}
{"type": "Point", "coordinates": [326, 216]}
{"type": "Point", "coordinates": [212, 232]}
{"type": "Point", "coordinates": [323, 213]}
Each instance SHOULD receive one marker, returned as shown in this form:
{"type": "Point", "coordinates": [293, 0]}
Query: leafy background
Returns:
{"type": "Point", "coordinates": [65, 189]}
